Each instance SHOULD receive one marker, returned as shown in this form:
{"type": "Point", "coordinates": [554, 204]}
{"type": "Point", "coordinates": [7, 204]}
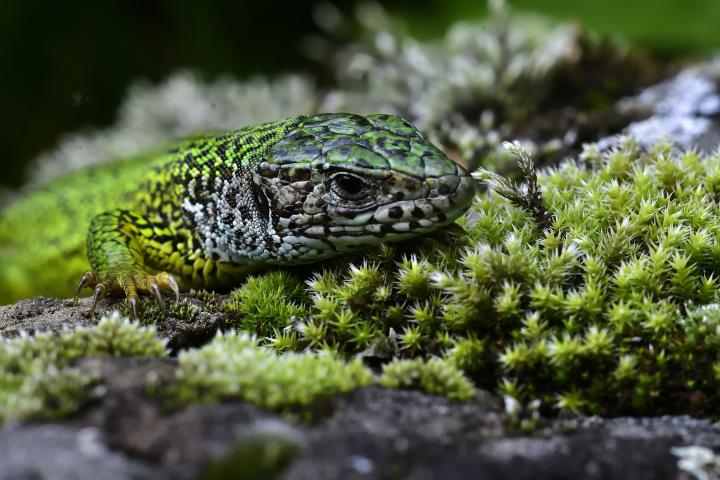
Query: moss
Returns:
{"type": "Point", "coordinates": [150, 313]}
{"type": "Point", "coordinates": [37, 379]}
{"type": "Point", "coordinates": [434, 376]}
{"type": "Point", "coordinates": [234, 366]}
{"type": "Point", "coordinates": [211, 302]}
{"type": "Point", "coordinates": [267, 303]}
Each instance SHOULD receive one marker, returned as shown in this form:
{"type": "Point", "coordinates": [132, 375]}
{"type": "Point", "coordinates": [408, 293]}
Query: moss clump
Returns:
{"type": "Point", "coordinates": [37, 379]}
{"type": "Point", "coordinates": [266, 304]}
{"type": "Point", "coordinates": [234, 366]}
{"type": "Point", "coordinates": [434, 376]}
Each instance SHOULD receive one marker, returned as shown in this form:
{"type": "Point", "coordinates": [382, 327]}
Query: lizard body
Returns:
{"type": "Point", "coordinates": [209, 209]}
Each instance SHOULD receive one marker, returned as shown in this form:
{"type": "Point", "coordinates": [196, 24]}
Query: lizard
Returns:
{"type": "Point", "coordinates": [207, 210]}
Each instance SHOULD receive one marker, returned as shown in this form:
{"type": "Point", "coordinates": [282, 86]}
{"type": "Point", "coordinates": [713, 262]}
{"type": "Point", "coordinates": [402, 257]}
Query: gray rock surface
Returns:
{"type": "Point", "coordinates": [684, 110]}
{"type": "Point", "coordinates": [56, 452]}
{"type": "Point", "coordinates": [50, 314]}
{"type": "Point", "coordinates": [389, 434]}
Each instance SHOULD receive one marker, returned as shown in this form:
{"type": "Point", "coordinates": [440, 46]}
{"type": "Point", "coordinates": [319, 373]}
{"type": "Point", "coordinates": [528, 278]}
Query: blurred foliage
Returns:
{"type": "Point", "coordinates": [664, 27]}
{"type": "Point", "coordinates": [68, 64]}
{"type": "Point", "coordinates": [38, 378]}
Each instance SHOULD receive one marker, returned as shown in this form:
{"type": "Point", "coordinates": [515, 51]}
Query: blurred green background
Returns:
{"type": "Point", "coordinates": [66, 65]}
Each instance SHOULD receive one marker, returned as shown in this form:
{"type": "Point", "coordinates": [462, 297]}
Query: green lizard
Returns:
{"type": "Point", "coordinates": [212, 208]}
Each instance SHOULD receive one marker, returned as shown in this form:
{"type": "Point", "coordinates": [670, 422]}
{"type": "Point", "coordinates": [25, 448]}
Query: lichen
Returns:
{"type": "Point", "coordinates": [698, 461]}
{"type": "Point", "coordinates": [682, 107]}
{"type": "Point", "coordinates": [37, 379]}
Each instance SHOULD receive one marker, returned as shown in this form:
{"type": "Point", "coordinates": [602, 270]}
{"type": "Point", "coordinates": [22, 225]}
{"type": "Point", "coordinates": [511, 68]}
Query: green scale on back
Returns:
{"type": "Point", "coordinates": [208, 210]}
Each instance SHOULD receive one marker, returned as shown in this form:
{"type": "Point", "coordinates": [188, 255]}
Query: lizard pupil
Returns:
{"type": "Point", "coordinates": [349, 187]}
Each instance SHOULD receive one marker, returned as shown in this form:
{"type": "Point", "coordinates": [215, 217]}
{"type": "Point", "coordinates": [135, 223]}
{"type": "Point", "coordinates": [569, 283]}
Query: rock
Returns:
{"type": "Point", "coordinates": [382, 433]}
{"type": "Point", "coordinates": [183, 443]}
{"type": "Point", "coordinates": [56, 452]}
{"type": "Point", "coordinates": [370, 433]}
{"type": "Point", "coordinates": [49, 314]}
{"type": "Point", "coordinates": [684, 110]}
{"type": "Point", "coordinates": [42, 314]}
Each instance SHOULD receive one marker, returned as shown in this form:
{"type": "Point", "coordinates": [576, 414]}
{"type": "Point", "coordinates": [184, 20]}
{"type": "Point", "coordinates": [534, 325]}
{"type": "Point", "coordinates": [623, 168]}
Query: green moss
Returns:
{"type": "Point", "coordinates": [234, 366]}
{"type": "Point", "coordinates": [267, 303]}
{"type": "Point", "coordinates": [150, 312]}
{"type": "Point", "coordinates": [434, 376]}
{"type": "Point", "coordinates": [37, 379]}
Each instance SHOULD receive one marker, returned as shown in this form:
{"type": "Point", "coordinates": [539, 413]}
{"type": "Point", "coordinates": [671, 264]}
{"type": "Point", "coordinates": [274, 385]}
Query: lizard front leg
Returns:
{"type": "Point", "coordinates": [119, 244]}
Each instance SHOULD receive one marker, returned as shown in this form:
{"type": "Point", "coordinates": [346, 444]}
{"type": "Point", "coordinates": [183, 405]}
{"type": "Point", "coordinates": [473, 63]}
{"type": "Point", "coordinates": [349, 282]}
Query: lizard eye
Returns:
{"type": "Point", "coordinates": [349, 187]}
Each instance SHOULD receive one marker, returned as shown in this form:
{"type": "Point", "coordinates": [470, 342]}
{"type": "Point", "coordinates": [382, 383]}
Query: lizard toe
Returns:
{"type": "Point", "coordinates": [166, 280]}
{"type": "Point", "coordinates": [129, 285]}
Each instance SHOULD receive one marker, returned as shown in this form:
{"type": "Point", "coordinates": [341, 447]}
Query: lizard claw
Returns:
{"type": "Point", "coordinates": [133, 301]}
{"type": "Point", "coordinates": [99, 293]}
{"type": "Point", "coordinates": [166, 280]}
{"type": "Point", "coordinates": [130, 286]}
{"type": "Point", "coordinates": [87, 280]}
{"type": "Point", "coordinates": [156, 291]}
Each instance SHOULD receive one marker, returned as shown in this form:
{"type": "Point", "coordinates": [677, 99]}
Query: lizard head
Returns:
{"type": "Point", "coordinates": [342, 182]}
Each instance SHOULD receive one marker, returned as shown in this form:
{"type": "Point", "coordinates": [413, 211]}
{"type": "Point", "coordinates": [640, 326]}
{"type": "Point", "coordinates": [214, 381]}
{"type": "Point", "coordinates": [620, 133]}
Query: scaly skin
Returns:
{"type": "Point", "coordinates": [210, 209]}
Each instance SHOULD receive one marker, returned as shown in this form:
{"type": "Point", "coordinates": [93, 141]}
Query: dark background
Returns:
{"type": "Point", "coordinates": [67, 64]}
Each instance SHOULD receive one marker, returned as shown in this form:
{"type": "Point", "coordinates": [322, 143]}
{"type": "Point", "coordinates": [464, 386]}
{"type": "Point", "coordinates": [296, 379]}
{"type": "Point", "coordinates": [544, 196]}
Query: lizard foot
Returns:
{"type": "Point", "coordinates": [130, 285]}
